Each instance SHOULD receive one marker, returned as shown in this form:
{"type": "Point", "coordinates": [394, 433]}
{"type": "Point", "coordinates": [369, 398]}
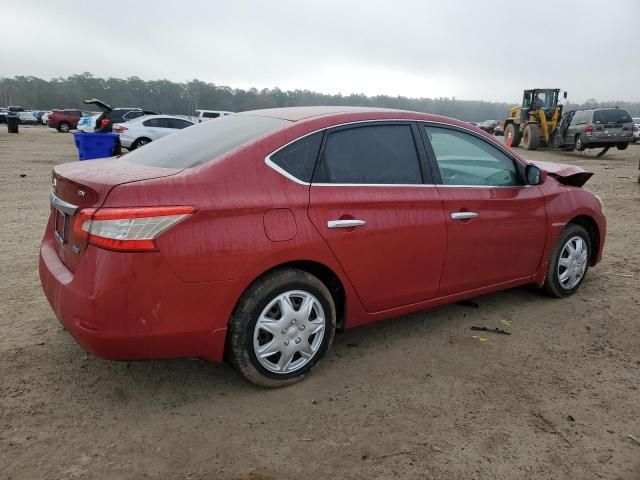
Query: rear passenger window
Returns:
{"type": "Point", "coordinates": [299, 158]}
{"type": "Point", "coordinates": [178, 124]}
{"type": "Point", "coordinates": [382, 154]}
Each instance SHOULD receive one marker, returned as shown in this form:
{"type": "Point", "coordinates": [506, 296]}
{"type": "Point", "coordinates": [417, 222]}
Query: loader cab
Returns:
{"type": "Point", "coordinates": [547, 99]}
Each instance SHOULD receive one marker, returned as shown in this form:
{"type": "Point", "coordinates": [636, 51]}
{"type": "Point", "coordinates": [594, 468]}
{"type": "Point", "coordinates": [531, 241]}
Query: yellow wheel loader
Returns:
{"type": "Point", "coordinates": [532, 123]}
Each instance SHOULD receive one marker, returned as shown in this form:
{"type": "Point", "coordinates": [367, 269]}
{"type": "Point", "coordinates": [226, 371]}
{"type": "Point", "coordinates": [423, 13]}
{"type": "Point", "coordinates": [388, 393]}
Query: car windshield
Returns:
{"type": "Point", "coordinates": [613, 115]}
{"type": "Point", "coordinates": [202, 143]}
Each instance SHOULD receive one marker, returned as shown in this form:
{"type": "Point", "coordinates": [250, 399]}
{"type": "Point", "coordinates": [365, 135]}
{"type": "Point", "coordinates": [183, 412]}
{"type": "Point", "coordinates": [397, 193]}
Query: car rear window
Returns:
{"type": "Point", "coordinates": [614, 115]}
{"type": "Point", "coordinates": [202, 143]}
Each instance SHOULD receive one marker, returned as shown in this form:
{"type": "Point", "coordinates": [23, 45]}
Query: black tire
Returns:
{"type": "Point", "coordinates": [552, 284]}
{"type": "Point", "coordinates": [64, 127]}
{"type": "Point", "coordinates": [579, 145]}
{"type": "Point", "coordinates": [622, 146]}
{"type": "Point", "coordinates": [140, 142]}
{"type": "Point", "coordinates": [514, 132]}
{"type": "Point", "coordinates": [240, 338]}
{"type": "Point", "coordinates": [531, 136]}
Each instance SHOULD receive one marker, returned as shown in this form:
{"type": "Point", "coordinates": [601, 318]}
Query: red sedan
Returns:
{"type": "Point", "coordinates": [252, 238]}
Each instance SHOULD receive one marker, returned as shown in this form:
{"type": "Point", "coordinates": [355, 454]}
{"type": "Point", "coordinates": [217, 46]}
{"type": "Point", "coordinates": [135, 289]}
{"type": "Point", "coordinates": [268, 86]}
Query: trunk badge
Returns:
{"type": "Point", "coordinates": [81, 193]}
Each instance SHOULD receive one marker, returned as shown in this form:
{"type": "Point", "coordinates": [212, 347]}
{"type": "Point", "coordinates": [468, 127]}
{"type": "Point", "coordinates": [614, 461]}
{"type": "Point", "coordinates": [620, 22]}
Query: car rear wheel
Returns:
{"type": "Point", "coordinates": [622, 146]}
{"type": "Point", "coordinates": [281, 327]}
{"type": "Point", "coordinates": [139, 143]}
{"type": "Point", "coordinates": [569, 262]}
{"type": "Point", "coordinates": [64, 127]}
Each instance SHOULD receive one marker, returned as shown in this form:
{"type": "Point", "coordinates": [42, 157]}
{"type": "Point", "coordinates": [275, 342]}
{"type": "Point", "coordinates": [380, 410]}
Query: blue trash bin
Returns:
{"type": "Point", "coordinates": [96, 145]}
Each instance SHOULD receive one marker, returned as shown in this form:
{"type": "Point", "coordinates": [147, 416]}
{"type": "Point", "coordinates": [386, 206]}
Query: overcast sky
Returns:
{"type": "Point", "coordinates": [468, 49]}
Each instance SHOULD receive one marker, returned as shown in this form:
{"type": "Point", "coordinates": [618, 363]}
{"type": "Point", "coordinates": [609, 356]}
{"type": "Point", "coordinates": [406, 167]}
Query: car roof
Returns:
{"type": "Point", "coordinates": [148, 117]}
{"type": "Point", "coordinates": [340, 114]}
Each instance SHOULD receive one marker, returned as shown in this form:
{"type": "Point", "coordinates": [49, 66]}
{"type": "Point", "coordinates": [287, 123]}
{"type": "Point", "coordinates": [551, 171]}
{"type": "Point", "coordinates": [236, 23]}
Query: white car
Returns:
{"type": "Point", "coordinates": [636, 129]}
{"type": "Point", "coordinates": [142, 130]}
{"type": "Point", "coordinates": [88, 124]}
{"type": "Point", "coordinates": [204, 115]}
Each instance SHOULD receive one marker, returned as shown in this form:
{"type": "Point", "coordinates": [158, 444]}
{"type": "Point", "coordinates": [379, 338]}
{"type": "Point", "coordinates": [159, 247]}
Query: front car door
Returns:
{"type": "Point", "coordinates": [373, 202]}
{"type": "Point", "coordinates": [496, 225]}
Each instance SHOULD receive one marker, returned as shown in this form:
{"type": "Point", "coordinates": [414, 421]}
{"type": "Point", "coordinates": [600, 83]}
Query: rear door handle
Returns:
{"type": "Point", "coordinates": [345, 223]}
{"type": "Point", "coordinates": [463, 215]}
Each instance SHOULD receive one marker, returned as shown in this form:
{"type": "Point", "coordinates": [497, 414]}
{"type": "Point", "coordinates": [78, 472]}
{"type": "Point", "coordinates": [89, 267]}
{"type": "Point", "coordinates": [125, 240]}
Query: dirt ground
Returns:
{"type": "Point", "coordinates": [414, 397]}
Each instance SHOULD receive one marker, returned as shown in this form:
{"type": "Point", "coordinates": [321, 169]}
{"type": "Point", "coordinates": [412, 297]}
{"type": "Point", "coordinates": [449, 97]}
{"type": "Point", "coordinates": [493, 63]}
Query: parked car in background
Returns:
{"type": "Point", "coordinates": [251, 238]}
{"type": "Point", "coordinates": [489, 126]}
{"type": "Point", "coordinates": [498, 130]}
{"type": "Point", "coordinates": [88, 124]}
{"type": "Point", "coordinates": [65, 120]}
{"type": "Point", "coordinates": [45, 117]}
{"type": "Point", "coordinates": [636, 129]}
{"type": "Point", "coordinates": [597, 128]}
{"type": "Point", "coordinates": [13, 110]}
{"type": "Point", "coordinates": [27, 118]}
{"type": "Point", "coordinates": [204, 115]}
{"type": "Point", "coordinates": [140, 131]}
{"type": "Point", "coordinates": [3, 115]}
{"type": "Point", "coordinates": [110, 115]}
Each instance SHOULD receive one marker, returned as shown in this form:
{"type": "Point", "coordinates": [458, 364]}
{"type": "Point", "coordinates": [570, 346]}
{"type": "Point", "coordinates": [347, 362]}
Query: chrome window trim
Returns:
{"type": "Point", "coordinates": [284, 173]}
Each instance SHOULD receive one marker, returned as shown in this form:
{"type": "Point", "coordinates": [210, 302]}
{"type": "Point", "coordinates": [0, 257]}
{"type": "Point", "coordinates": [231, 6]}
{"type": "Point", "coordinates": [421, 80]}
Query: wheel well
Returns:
{"type": "Point", "coordinates": [326, 276]}
{"type": "Point", "coordinates": [590, 225]}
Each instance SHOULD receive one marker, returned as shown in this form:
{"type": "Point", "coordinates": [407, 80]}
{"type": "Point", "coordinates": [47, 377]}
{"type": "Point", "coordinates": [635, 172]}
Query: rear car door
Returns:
{"type": "Point", "coordinates": [373, 202]}
{"type": "Point", "coordinates": [496, 225]}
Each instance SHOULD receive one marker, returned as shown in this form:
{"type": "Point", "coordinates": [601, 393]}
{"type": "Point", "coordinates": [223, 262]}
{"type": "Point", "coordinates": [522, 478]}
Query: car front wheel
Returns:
{"type": "Point", "coordinates": [569, 262]}
{"type": "Point", "coordinates": [281, 327]}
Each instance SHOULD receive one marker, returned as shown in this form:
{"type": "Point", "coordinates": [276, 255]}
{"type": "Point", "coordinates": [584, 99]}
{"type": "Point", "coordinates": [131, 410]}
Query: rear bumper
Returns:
{"type": "Point", "coordinates": [131, 306]}
{"type": "Point", "coordinates": [594, 141]}
{"type": "Point", "coordinates": [125, 141]}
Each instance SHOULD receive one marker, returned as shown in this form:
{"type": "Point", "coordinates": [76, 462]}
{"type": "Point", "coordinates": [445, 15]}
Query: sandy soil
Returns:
{"type": "Point", "coordinates": [413, 397]}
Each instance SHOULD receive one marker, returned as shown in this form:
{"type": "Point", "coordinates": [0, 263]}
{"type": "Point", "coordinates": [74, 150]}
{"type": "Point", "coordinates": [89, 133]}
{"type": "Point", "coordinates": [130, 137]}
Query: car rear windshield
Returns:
{"type": "Point", "coordinates": [614, 115]}
{"type": "Point", "coordinates": [199, 144]}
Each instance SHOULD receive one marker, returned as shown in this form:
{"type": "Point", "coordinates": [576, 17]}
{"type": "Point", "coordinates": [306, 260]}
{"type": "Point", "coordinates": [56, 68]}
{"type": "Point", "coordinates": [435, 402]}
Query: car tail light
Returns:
{"type": "Point", "coordinates": [128, 229]}
{"type": "Point", "coordinates": [119, 129]}
{"type": "Point", "coordinates": [588, 131]}
{"type": "Point", "coordinates": [104, 122]}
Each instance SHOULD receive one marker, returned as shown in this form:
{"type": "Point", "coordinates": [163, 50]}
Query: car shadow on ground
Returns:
{"type": "Point", "coordinates": [177, 382]}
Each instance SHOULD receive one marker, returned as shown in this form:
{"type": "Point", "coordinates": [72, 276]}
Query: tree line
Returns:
{"type": "Point", "coordinates": [184, 98]}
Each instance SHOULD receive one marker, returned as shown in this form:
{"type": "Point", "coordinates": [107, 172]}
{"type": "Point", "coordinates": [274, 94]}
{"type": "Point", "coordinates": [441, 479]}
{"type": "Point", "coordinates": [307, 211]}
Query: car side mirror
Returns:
{"type": "Point", "coordinates": [565, 94]}
{"type": "Point", "coordinates": [534, 175]}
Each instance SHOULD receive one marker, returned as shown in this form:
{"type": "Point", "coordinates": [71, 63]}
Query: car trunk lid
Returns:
{"type": "Point", "coordinates": [85, 185]}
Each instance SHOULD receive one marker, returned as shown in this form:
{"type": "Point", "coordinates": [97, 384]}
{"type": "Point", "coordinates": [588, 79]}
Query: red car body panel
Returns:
{"type": "Point", "coordinates": [504, 243]}
{"type": "Point", "coordinates": [250, 219]}
{"type": "Point", "coordinates": [56, 117]}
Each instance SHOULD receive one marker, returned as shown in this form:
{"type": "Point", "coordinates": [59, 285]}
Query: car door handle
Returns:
{"type": "Point", "coordinates": [345, 223]}
{"type": "Point", "coordinates": [463, 215]}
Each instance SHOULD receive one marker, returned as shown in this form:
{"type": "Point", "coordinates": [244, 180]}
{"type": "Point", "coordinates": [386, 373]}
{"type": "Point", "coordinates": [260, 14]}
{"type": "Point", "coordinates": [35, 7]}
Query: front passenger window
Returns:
{"type": "Point", "coordinates": [465, 159]}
